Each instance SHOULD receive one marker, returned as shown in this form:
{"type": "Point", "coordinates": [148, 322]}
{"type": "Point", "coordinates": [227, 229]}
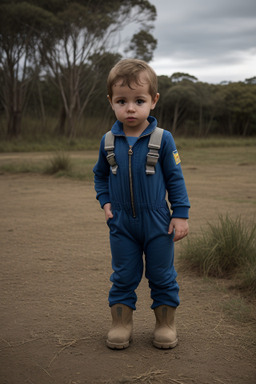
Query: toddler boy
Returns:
{"type": "Point", "coordinates": [131, 181]}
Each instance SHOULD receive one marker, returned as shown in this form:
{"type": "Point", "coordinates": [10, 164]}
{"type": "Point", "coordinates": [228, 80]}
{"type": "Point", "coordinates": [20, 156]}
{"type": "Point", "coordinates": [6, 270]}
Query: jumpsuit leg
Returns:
{"type": "Point", "coordinates": [161, 273]}
{"type": "Point", "coordinates": [159, 257]}
{"type": "Point", "coordinates": [127, 265]}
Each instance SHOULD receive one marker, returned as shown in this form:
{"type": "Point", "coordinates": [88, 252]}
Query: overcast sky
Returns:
{"type": "Point", "coordinates": [214, 40]}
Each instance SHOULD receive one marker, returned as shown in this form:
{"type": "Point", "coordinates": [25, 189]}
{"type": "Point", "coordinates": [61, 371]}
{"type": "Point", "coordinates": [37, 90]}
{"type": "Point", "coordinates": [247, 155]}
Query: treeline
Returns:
{"type": "Point", "coordinates": [186, 106]}
{"type": "Point", "coordinates": [55, 57]}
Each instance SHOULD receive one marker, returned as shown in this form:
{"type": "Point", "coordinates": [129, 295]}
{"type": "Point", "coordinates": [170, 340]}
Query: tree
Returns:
{"type": "Point", "coordinates": [87, 31]}
{"type": "Point", "coordinates": [178, 100]}
{"type": "Point", "coordinates": [164, 84]}
{"type": "Point", "coordinates": [180, 76]}
{"type": "Point", "coordinates": [17, 52]}
{"type": "Point", "coordinates": [240, 100]}
{"type": "Point", "coordinates": [143, 45]}
{"type": "Point", "coordinates": [251, 80]}
{"type": "Point", "coordinates": [207, 103]}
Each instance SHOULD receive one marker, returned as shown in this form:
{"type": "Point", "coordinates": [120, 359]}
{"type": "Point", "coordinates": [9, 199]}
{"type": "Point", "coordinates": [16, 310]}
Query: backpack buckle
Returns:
{"type": "Point", "coordinates": [111, 159]}
{"type": "Point", "coordinates": [152, 157]}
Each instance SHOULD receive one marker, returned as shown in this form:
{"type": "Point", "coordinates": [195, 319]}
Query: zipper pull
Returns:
{"type": "Point", "coordinates": [130, 152]}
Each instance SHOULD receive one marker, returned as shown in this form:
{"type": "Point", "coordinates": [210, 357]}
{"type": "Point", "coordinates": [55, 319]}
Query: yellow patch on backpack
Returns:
{"type": "Point", "coordinates": [176, 157]}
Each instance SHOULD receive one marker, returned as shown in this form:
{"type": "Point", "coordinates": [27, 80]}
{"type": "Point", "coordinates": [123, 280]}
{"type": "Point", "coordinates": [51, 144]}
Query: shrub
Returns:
{"type": "Point", "coordinates": [60, 162]}
{"type": "Point", "coordinates": [226, 249]}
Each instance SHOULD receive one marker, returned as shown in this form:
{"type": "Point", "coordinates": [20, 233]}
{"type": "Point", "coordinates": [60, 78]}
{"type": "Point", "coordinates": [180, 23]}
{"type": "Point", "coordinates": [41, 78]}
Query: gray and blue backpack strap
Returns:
{"type": "Point", "coordinates": [152, 157]}
{"type": "Point", "coordinates": [109, 148]}
{"type": "Point", "coordinates": [154, 145]}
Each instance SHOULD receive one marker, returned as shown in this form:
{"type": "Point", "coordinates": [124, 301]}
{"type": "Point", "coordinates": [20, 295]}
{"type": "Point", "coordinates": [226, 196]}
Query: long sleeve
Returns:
{"type": "Point", "coordinates": [101, 176]}
{"type": "Point", "coordinates": [174, 180]}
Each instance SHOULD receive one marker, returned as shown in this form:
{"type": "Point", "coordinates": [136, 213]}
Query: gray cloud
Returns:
{"type": "Point", "coordinates": [194, 35]}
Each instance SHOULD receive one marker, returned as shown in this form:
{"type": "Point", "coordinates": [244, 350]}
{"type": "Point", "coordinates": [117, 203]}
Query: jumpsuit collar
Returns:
{"type": "Point", "coordinates": [117, 128]}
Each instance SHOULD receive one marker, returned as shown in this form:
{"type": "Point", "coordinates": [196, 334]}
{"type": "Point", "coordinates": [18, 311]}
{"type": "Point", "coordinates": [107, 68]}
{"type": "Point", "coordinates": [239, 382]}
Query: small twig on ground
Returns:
{"type": "Point", "coordinates": [43, 369]}
{"type": "Point", "coordinates": [215, 329]}
{"type": "Point", "coordinates": [7, 342]}
{"type": "Point", "coordinates": [9, 345]}
{"type": "Point", "coordinates": [65, 346]}
{"type": "Point", "coordinates": [145, 377]}
{"type": "Point", "coordinates": [59, 352]}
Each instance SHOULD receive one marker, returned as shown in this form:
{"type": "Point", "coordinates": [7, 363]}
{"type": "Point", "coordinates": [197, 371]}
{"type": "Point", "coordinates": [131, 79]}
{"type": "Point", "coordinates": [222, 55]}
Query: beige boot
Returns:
{"type": "Point", "coordinates": [165, 335]}
{"type": "Point", "coordinates": [120, 334]}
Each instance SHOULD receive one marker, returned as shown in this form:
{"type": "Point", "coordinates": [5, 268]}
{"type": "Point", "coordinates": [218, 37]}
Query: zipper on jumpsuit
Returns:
{"type": "Point", "coordinates": [130, 153]}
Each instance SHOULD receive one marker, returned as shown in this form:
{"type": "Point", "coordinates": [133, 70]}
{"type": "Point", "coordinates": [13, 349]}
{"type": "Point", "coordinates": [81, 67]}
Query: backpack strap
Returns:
{"type": "Point", "coordinates": [109, 148]}
{"type": "Point", "coordinates": [154, 145]}
{"type": "Point", "coordinates": [152, 157]}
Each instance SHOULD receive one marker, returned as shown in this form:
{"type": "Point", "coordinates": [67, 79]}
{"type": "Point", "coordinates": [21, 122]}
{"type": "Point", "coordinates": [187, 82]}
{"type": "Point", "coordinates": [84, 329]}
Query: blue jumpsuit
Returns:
{"type": "Point", "coordinates": [141, 216]}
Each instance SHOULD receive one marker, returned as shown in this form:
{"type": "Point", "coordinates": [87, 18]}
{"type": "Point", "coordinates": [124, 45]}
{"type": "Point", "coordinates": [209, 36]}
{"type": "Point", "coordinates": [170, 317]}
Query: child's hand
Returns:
{"type": "Point", "coordinates": [180, 226]}
{"type": "Point", "coordinates": [108, 212]}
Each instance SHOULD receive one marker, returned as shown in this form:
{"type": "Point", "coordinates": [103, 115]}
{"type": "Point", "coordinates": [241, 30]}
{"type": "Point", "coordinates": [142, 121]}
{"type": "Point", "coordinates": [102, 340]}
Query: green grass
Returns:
{"type": "Point", "coordinates": [215, 142]}
{"type": "Point", "coordinates": [59, 164]}
{"type": "Point", "coordinates": [55, 143]}
{"type": "Point", "coordinates": [224, 250]}
{"type": "Point", "coordinates": [24, 167]}
{"type": "Point", "coordinates": [237, 155]}
{"type": "Point", "coordinates": [45, 144]}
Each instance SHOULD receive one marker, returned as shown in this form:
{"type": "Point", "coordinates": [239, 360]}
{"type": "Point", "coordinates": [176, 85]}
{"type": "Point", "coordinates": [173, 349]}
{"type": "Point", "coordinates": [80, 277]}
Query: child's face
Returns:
{"type": "Point", "coordinates": [132, 106]}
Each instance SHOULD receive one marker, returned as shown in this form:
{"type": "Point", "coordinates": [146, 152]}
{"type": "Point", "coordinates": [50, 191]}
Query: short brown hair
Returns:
{"type": "Point", "coordinates": [129, 70]}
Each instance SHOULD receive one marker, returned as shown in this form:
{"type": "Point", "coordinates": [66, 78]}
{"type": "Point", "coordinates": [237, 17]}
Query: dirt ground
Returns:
{"type": "Point", "coordinates": [54, 272]}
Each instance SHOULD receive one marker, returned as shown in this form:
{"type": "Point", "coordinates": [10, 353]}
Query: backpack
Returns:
{"type": "Point", "coordinates": [154, 145]}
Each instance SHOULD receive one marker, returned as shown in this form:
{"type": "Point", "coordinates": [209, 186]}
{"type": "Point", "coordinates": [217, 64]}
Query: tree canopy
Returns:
{"type": "Point", "coordinates": [63, 39]}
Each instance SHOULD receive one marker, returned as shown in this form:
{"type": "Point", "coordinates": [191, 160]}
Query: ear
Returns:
{"type": "Point", "coordinates": [154, 101]}
{"type": "Point", "coordinates": [110, 101]}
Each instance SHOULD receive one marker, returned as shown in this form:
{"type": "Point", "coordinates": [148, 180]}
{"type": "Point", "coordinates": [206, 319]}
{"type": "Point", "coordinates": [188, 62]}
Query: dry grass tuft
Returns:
{"type": "Point", "coordinates": [224, 250]}
{"type": "Point", "coordinates": [60, 162]}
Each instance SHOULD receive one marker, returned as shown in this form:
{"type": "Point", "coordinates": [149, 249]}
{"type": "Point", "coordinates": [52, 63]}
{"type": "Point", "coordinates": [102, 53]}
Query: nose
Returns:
{"type": "Point", "coordinates": [130, 107]}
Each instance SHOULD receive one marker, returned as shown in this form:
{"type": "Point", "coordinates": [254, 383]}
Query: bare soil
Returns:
{"type": "Point", "coordinates": [55, 265]}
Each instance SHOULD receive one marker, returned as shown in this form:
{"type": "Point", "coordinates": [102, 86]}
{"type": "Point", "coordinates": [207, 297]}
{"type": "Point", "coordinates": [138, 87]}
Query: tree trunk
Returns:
{"type": "Point", "coordinates": [175, 117]}
{"type": "Point", "coordinates": [14, 124]}
{"type": "Point", "coordinates": [60, 128]}
{"type": "Point", "coordinates": [42, 108]}
{"type": "Point", "coordinates": [208, 126]}
{"type": "Point", "coordinates": [200, 120]}
{"type": "Point", "coordinates": [72, 124]}
{"type": "Point", "coordinates": [245, 127]}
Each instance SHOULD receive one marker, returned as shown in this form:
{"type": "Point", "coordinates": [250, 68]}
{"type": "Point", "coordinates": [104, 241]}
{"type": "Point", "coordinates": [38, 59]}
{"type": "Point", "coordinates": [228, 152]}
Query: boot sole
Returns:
{"type": "Point", "coordinates": [118, 345]}
{"type": "Point", "coordinates": [165, 345]}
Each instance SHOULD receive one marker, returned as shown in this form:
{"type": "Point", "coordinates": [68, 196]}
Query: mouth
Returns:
{"type": "Point", "coordinates": [130, 118]}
